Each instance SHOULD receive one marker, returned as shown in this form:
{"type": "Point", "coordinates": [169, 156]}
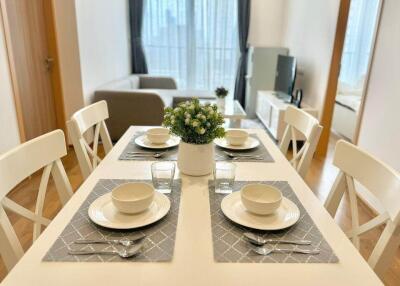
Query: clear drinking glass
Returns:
{"type": "Point", "coordinates": [224, 177]}
{"type": "Point", "coordinates": [162, 175]}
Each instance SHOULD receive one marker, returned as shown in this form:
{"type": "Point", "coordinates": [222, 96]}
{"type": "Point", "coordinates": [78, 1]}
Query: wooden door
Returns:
{"type": "Point", "coordinates": [32, 62]}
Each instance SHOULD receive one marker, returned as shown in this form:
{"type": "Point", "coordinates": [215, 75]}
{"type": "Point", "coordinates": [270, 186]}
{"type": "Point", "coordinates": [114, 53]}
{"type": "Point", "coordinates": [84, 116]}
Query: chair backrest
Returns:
{"type": "Point", "coordinates": [383, 184]}
{"type": "Point", "coordinates": [89, 117]}
{"type": "Point", "coordinates": [15, 166]}
{"type": "Point", "coordinates": [298, 120]}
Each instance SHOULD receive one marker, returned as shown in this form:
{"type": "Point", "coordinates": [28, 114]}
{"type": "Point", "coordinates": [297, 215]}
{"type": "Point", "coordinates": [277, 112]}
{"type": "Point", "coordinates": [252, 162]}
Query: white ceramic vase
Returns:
{"type": "Point", "coordinates": [195, 159]}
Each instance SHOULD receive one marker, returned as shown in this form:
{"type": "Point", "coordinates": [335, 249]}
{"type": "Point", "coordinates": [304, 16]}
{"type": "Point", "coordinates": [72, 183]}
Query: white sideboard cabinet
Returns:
{"type": "Point", "coordinates": [271, 110]}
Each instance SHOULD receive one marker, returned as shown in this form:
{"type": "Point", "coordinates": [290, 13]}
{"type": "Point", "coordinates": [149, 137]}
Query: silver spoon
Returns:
{"type": "Point", "coordinates": [267, 251]}
{"type": "Point", "coordinates": [123, 241]}
{"type": "Point", "coordinates": [155, 155]}
{"type": "Point", "coordinates": [233, 155]}
{"type": "Point", "coordinates": [123, 253]}
{"type": "Point", "coordinates": [258, 240]}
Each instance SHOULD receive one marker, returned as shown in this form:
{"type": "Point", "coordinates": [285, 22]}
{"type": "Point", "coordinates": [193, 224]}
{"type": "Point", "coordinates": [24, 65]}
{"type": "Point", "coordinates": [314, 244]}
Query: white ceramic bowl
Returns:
{"type": "Point", "coordinates": [132, 198]}
{"type": "Point", "coordinates": [158, 135]}
{"type": "Point", "coordinates": [236, 137]}
{"type": "Point", "coordinates": [261, 199]}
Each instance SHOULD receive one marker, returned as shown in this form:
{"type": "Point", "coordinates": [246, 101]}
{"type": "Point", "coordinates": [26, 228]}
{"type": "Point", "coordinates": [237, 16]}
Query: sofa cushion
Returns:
{"type": "Point", "coordinates": [131, 82]}
{"type": "Point", "coordinates": [172, 97]}
{"type": "Point", "coordinates": [163, 94]}
{"type": "Point", "coordinates": [134, 81]}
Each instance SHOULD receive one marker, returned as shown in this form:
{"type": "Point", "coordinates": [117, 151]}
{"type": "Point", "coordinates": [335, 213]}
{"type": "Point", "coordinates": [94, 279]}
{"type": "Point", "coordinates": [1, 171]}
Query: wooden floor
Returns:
{"type": "Point", "coordinates": [320, 178]}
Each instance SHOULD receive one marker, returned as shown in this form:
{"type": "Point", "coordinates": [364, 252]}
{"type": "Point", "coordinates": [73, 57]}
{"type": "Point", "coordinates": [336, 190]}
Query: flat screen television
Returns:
{"type": "Point", "coordinates": [285, 76]}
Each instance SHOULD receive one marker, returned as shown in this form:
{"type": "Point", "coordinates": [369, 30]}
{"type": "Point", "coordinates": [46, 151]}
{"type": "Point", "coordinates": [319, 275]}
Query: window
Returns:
{"type": "Point", "coordinates": [194, 41]}
{"type": "Point", "coordinates": [358, 43]}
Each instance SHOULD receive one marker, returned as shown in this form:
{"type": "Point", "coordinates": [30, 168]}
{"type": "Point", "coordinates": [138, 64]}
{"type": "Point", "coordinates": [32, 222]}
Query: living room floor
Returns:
{"type": "Point", "coordinates": [319, 178]}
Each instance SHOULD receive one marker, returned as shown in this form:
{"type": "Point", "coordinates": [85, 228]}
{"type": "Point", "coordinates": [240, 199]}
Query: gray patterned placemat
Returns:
{"type": "Point", "coordinates": [230, 246]}
{"type": "Point", "coordinates": [158, 245]}
{"type": "Point", "coordinates": [171, 154]}
{"type": "Point", "coordinates": [260, 151]}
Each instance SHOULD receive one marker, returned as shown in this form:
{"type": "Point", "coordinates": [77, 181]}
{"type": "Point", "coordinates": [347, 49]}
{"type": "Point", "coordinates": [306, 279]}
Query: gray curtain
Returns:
{"type": "Point", "coordinates": [139, 64]}
{"type": "Point", "coordinates": [243, 25]}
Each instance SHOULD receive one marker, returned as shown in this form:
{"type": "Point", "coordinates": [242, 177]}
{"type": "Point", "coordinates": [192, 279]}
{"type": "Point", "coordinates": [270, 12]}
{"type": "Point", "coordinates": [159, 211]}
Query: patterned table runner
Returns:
{"type": "Point", "coordinates": [171, 154]}
{"type": "Point", "coordinates": [230, 246]}
{"type": "Point", "coordinates": [158, 245]}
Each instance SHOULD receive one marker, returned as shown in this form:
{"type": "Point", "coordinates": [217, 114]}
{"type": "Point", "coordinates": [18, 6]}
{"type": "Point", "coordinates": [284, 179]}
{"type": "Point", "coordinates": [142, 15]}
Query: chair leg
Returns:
{"type": "Point", "coordinates": [10, 248]}
{"type": "Point", "coordinates": [385, 249]}
{"type": "Point", "coordinates": [336, 194]}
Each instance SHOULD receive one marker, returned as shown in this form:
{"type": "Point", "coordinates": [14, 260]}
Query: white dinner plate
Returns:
{"type": "Point", "coordinates": [286, 215]}
{"type": "Point", "coordinates": [249, 144]}
{"type": "Point", "coordinates": [144, 142]}
{"type": "Point", "coordinates": [103, 212]}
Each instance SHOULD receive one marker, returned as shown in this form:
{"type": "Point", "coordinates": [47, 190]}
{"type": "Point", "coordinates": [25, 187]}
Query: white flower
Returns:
{"type": "Point", "coordinates": [195, 123]}
{"type": "Point", "coordinates": [198, 115]}
{"type": "Point", "coordinates": [191, 106]}
{"type": "Point", "coordinates": [203, 117]}
{"type": "Point", "coordinates": [211, 111]}
{"type": "Point", "coordinates": [208, 124]}
{"type": "Point", "coordinates": [172, 117]}
{"type": "Point", "coordinates": [172, 121]}
{"type": "Point", "coordinates": [177, 109]}
{"type": "Point", "coordinates": [187, 114]}
{"type": "Point", "coordinates": [187, 121]}
{"type": "Point", "coordinates": [201, 131]}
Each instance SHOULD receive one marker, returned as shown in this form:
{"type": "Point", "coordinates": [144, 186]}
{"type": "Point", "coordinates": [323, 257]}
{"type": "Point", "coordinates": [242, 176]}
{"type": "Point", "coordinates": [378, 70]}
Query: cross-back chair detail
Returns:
{"type": "Point", "coordinates": [383, 184]}
{"type": "Point", "coordinates": [298, 120]}
{"type": "Point", "coordinates": [89, 117]}
{"type": "Point", "coordinates": [15, 166]}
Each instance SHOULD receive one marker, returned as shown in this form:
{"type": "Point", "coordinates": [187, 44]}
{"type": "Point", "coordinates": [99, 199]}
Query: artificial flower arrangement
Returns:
{"type": "Point", "coordinates": [221, 92]}
{"type": "Point", "coordinates": [195, 123]}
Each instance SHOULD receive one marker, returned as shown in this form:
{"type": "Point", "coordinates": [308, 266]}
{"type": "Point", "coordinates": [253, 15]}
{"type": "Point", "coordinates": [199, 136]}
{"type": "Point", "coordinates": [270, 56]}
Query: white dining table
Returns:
{"type": "Point", "coordinates": [193, 262]}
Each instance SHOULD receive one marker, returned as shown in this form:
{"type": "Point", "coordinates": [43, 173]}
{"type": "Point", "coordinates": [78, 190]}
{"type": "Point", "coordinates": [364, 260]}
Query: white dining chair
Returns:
{"type": "Point", "coordinates": [89, 118]}
{"type": "Point", "coordinates": [15, 166]}
{"type": "Point", "coordinates": [298, 120]}
{"type": "Point", "coordinates": [383, 184]}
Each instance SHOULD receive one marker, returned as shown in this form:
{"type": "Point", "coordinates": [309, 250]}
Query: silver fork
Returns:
{"type": "Point", "coordinates": [123, 253]}
{"type": "Point", "coordinates": [247, 157]}
{"type": "Point", "coordinates": [260, 241]}
{"type": "Point", "coordinates": [123, 241]}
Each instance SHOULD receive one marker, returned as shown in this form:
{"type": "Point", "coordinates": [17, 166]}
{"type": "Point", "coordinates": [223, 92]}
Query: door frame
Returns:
{"type": "Point", "coordinates": [334, 73]}
{"type": "Point", "coordinates": [56, 84]}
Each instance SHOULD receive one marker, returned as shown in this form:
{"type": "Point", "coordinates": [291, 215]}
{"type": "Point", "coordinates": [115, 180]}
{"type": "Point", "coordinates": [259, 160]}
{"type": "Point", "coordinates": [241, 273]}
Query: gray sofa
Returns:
{"type": "Point", "coordinates": [140, 100]}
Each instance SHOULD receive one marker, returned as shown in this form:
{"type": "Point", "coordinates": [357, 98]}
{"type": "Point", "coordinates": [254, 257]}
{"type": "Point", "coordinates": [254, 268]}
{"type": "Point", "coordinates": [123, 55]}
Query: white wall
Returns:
{"type": "Point", "coordinates": [103, 33]}
{"type": "Point", "coordinates": [68, 52]}
{"type": "Point", "coordinates": [93, 42]}
{"type": "Point", "coordinates": [8, 118]}
{"type": "Point", "coordinates": [309, 30]}
{"type": "Point", "coordinates": [266, 23]}
{"type": "Point", "coordinates": [380, 127]}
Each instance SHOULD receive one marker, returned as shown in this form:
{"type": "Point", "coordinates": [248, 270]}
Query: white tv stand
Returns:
{"type": "Point", "coordinates": [271, 110]}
